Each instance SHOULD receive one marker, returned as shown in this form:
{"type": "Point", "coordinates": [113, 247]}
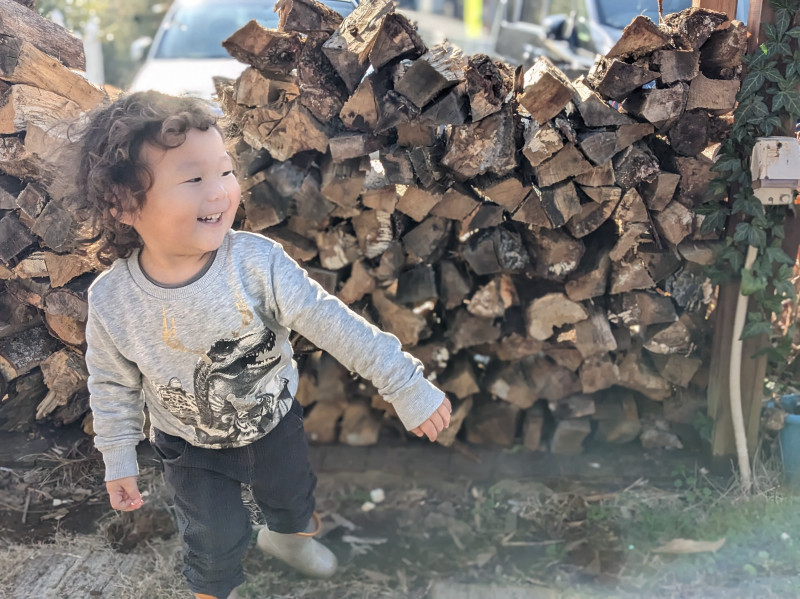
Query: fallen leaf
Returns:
{"type": "Point", "coordinates": [681, 546]}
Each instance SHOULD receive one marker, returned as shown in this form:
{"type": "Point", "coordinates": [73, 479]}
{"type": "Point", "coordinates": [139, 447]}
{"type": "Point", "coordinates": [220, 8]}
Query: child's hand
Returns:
{"type": "Point", "coordinates": [438, 421]}
{"type": "Point", "coordinates": [124, 494]}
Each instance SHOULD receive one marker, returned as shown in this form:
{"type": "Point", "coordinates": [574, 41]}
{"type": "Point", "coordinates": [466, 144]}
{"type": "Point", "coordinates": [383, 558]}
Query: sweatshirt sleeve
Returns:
{"type": "Point", "coordinates": [302, 305]}
{"type": "Point", "coordinates": [115, 388]}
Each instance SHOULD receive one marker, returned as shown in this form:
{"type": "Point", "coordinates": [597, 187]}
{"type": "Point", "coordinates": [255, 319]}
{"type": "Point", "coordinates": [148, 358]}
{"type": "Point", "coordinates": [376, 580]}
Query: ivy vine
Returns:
{"type": "Point", "coordinates": [767, 100]}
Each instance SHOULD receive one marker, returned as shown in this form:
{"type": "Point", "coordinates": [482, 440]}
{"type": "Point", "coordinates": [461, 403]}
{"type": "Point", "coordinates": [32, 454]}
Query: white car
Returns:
{"type": "Point", "coordinates": [186, 52]}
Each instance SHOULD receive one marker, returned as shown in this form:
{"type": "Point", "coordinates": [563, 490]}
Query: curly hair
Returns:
{"type": "Point", "coordinates": [111, 175]}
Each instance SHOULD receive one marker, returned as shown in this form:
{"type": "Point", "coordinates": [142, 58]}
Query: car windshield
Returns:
{"type": "Point", "coordinates": [619, 13]}
{"type": "Point", "coordinates": [197, 30]}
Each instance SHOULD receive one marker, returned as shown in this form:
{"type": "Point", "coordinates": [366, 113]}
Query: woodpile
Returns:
{"type": "Point", "coordinates": [531, 239]}
{"type": "Point", "coordinates": [44, 272]}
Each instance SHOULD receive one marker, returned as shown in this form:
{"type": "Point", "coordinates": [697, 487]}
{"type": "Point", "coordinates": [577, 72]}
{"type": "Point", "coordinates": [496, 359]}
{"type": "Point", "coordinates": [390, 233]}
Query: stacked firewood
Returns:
{"type": "Point", "coordinates": [531, 239]}
{"type": "Point", "coordinates": [44, 272]}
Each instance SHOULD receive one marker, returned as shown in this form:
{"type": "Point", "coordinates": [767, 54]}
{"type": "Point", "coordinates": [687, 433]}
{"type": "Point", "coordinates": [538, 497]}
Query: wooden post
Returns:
{"type": "Point", "coordinates": [753, 370]}
{"type": "Point", "coordinates": [726, 6]}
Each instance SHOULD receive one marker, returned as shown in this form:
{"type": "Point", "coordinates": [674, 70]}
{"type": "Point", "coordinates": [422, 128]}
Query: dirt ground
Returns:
{"type": "Point", "coordinates": [439, 537]}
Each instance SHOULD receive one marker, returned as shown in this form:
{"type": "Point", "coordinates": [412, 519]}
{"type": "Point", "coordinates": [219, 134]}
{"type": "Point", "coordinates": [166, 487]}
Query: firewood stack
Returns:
{"type": "Point", "coordinates": [536, 247]}
{"type": "Point", "coordinates": [44, 274]}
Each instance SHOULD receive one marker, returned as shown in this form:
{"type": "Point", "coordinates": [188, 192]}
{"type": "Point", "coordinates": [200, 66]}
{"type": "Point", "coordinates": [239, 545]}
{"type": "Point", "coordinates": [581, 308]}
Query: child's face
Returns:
{"type": "Point", "coordinates": [193, 200]}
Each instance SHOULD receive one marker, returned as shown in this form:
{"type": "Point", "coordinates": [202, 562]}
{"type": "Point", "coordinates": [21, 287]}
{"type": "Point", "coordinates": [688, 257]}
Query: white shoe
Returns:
{"type": "Point", "coordinates": [299, 551]}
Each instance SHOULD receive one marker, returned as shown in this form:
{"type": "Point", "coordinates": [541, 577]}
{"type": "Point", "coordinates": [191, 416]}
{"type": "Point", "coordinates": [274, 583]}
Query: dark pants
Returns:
{"type": "Point", "coordinates": [206, 487]}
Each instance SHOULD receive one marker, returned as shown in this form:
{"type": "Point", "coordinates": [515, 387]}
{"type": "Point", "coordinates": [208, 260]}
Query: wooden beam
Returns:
{"type": "Point", "coordinates": [753, 370]}
{"type": "Point", "coordinates": [726, 6]}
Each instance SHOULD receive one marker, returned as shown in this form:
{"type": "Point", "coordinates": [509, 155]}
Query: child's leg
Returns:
{"type": "Point", "coordinates": [283, 486]}
{"type": "Point", "coordinates": [282, 481]}
{"type": "Point", "coordinates": [214, 524]}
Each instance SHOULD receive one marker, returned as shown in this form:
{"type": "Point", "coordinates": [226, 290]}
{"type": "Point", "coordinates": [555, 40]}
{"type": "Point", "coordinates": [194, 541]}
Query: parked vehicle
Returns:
{"type": "Point", "coordinates": [186, 52]}
{"type": "Point", "coordinates": [571, 33]}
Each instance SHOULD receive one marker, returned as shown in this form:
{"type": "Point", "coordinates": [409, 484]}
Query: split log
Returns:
{"type": "Point", "coordinates": [14, 237]}
{"type": "Point", "coordinates": [679, 370]}
{"type": "Point", "coordinates": [65, 375]}
{"type": "Point", "coordinates": [635, 165]}
{"type": "Point", "coordinates": [452, 108]}
{"type": "Point", "coordinates": [556, 254]}
{"type": "Point", "coordinates": [485, 146]}
{"type": "Point", "coordinates": [541, 142]}
{"type": "Point", "coordinates": [598, 373]}
{"type": "Point", "coordinates": [354, 145]}
{"type": "Point", "coordinates": [629, 134]}
{"type": "Point", "coordinates": [342, 182]}
{"type": "Point", "coordinates": [360, 427]}
{"type": "Point", "coordinates": [428, 240]}
{"type": "Point", "coordinates": [508, 192]}
{"type": "Point", "coordinates": [674, 223]}
{"type": "Point", "coordinates": [322, 421]}
{"type": "Point", "coordinates": [337, 248]}
{"type": "Point", "coordinates": [595, 111]}
{"type": "Point", "coordinates": [22, 352]}
{"type": "Point", "coordinates": [358, 285]}
{"type": "Point", "coordinates": [488, 85]}
{"type": "Point", "coordinates": [459, 378]}
{"type": "Point", "coordinates": [545, 90]}
{"type": "Point", "coordinates": [551, 381]}
{"type": "Point", "coordinates": [416, 285]}
{"type": "Point", "coordinates": [497, 250]}
{"type": "Point", "coordinates": [298, 131]}
{"type": "Point", "coordinates": [46, 36]}
{"type": "Point", "coordinates": [658, 192]}
{"type": "Point", "coordinates": [394, 110]}
{"type": "Point", "coordinates": [397, 165]}
{"type": "Point", "coordinates": [593, 214]}
{"type": "Point", "coordinates": [511, 385]}
{"type": "Point", "coordinates": [634, 375]}
{"type": "Point", "coordinates": [349, 47]}
{"type": "Point", "coordinates": [675, 338]}
{"type": "Point", "coordinates": [691, 28]}
{"type": "Point", "coordinates": [532, 427]}
{"type": "Point", "coordinates": [659, 106]}
{"type": "Point", "coordinates": [696, 175]}
{"type": "Point", "coordinates": [598, 146]}
{"type": "Point", "coordinates": [615, 79]}
{"type": "Point", "coordinates": [23, 104]}
{"type": "Point", "coordinates": [493, 423]}
{"type": "Point", "coordinates": [532, 212]}
{"type": "Point", "coordinates": [360, 110]}
{"type": "Point", "coordinates": [454, 285]}
{"type": "Point", "coordinates": [593, 336]}
{"type": "Point", "coordinates": [305, 16]}
{"type": "Point", "coordinates": [565, 163]}
{"type": "Point", "coordinates": [552, 310]}
{"type": "Point", "coordinates": [403, 323]}
{"type": "Point", "coordinates": [642, 309]}
{"type": "Point", "coordinates": [724, 50]}
{"type": "Point", "coordinates": [397, 39]}
{"type": "Point", "coordinates": [712, 94]}
{"type": "Point", "coordinates": [467, 330]}
{"type": "Point", "coordinates": [67, 308]}
{"type": "Point", "coordinates": [300, 248]}
{"type": "Point", "coordinates": [688, 136]}
{"type": "Point", "coordinates": [640, 37]}
{"type": "Point", "coordinates": [455, 204]}
{"type": "Point", "coordinates": [270, 51]}
{"type": "Point", "coordinates": [591, 281]}
{"type": "Point", "coordinates": [599, 176]}
{"type": "Point", "coordinates": [676, 65]}
{"type": "Point", "coordinates": [617, 418]}
{"type": "Point", "coordinates": [493, 299]}
{"type": "Point", "coordinates": [322, 91]}
{"type": "Point", "coordinates": [569, 435]}
{"type": "Point", "coordinates": [440, 69]}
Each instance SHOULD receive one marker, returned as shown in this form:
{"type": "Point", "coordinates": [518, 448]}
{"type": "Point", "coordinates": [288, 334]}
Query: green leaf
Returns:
{"type": "Point", "coordinates": [770, 32]}
{"type": "Point", "coordinates": [751, 85]}
{"type": "Point", "coordinates": [752, 283]}
{"type": "Point", "coordinates": [756, 328]}
{"type": "Point", "coordinates": [783, 18]}
{"type": "Point", "coordinates": [777, 255]}
{"type": "Point", "coordinates": [773, 304]}
{"type": "Point", "coordinates": [794, 32]}
{"type": "Point", "coordinates": [774, 75]}
{"type": "Point", "coordinates": [727, 164]}
{"type": "Point", "coordinates": [748, 206]}
{"type": "Point", "coordinates": [756, 237]}
{"type": "Point", "coordinates": [714, 222]}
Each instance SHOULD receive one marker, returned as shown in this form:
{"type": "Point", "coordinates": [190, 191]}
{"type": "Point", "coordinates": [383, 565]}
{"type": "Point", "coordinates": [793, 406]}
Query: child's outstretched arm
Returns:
{"type": "Point", "coordinates": [302, 305]}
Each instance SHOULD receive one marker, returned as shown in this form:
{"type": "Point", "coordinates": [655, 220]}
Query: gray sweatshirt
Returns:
{"type": "Point", "coordinates": [212, 359]}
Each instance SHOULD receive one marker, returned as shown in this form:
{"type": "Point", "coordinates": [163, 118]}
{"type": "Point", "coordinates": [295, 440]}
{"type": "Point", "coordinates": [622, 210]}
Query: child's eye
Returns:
{"type": "Point", "coordinates": [194, 180]}
{"type": "Point", "coordinates": [226, 173]}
